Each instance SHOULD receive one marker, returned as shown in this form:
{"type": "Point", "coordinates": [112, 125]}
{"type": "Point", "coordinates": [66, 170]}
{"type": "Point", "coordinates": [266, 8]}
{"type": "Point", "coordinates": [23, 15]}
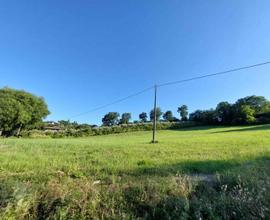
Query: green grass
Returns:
{"type": "Point", "coordinates": [32, 166]}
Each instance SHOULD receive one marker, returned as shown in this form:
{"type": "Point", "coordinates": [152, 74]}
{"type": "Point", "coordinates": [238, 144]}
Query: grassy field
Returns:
{"type": "Point", "coordinates": [123, 176]}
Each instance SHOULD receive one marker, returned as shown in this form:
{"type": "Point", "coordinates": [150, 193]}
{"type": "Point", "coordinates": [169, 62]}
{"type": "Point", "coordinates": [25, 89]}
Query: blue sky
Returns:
{"type": "Point", "coordinates": [82, 54]}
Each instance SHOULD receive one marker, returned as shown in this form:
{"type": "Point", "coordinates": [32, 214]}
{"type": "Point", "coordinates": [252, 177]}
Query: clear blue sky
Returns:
{"type": "Point", "coordinates": [85, 53]}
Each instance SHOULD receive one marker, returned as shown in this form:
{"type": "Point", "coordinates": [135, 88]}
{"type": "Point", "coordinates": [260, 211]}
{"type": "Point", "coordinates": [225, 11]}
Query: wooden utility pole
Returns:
{"type": "Point", "coordinates": [155, 117]}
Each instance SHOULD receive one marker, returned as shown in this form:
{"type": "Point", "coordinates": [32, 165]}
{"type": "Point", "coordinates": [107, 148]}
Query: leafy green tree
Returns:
{"type": "Point", "coordinates": [183, 110]}
{"type": "Point", "coordinates": [110, 119]}
{"type": "Point", "coordinates": [263, 118]}
{"type": "Point", "coordinates": [143, 117]}
{"type": "Point", "coordinates": [125, 118]}
{"type": "Point", "coordinates": [245, 115]}
{"type": "Point", "coordinates": [246, 110]}
{"type": "Point", "coordinates": [206, 117]}
{"type": "Point", "coordinates": [19, 110]}
{"type": "Point", "coordinates": [168, 116]}
{"type": "Point", "coordinates": [258, 103]}
{"type": "Point", "coordinates": [224, 113]}
{"type": "Point", "coordinates": [158, 114]}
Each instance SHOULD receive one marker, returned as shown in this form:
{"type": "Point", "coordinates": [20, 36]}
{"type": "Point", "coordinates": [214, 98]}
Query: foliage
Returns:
{"type": "Point", "coordinates": [245, 115]}
{"type": "Point", "coordinates": [168, 116]}
{"type": "Point", "coordinates": [20, 109]}
{"type": "Point", "coordinates": [183, 110]}
{"type": "Point", "coordinates": [158, 114]}
{"type": "Point", "coordinates": [105, 130]}
{"type": "Point", "coordinates": [110, 119]}
{"type": "Point", "coordinates": [206, 117]}
{"type": "Point", "coordinates": [248, 110]}
{"type": "Point", "coordinates": [143, 117]}
{"type": "Point", "coordinates": [125, 118]}
{"type": "Point", "coordinates": [258, 103]}
{"type": "Point", "coordinates": [224, 113]}
{"type": "Point", "coordinates": [263, 118]}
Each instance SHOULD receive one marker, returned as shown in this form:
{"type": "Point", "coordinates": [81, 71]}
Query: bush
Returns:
{"type": "Point", "coordinates": [35, 134]}
{"type": "Point", "coordinates": [105, 130]}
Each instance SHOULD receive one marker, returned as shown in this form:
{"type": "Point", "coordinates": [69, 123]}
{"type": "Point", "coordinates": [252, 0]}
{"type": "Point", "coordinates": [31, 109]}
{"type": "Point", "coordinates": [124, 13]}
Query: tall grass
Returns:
{"type": "Point", "coordinates": [206, 172]}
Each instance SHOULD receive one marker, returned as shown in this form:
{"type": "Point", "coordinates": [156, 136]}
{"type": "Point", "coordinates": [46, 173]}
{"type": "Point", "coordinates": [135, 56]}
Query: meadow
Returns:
{"type": "Point", "coordinates": [192, 173]}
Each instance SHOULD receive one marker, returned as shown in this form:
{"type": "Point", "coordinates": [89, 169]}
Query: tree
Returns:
{"type": "Point", "coordinates": [257, 103]}
{"type": "Point", "coordinates": [110, 119]}
{"type": "Point", "coordinates": [158, 114]}
{"type": "Point", "coordinates": [224, 113]}
{"type": "Point", "coordinates": [245, 115]}
{"type": "Point", "coordinates": [207, 117]}
{"type": "Point", "coordinates": [183, 110]}
{"type": "Point", "coordinates": [263, 118]}
{"type": "Point", "coordinates": [246, 110]}
{"type": "Point", "coordinates": [125, 118]}
{"type": "Point", "coordinates": [143, 117]}
{"type": "Point", "coordinates": [19, 110]}
{"type": "Point", "coordinates": [168, 116]}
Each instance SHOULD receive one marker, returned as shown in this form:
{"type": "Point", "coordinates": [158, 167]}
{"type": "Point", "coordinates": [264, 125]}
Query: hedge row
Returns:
{"type": "Point", "coordinates": [106, 130]}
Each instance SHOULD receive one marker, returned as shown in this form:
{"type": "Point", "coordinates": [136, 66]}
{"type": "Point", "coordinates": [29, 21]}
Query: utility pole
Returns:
{"type": "Point", "coordinates": [155, 117]}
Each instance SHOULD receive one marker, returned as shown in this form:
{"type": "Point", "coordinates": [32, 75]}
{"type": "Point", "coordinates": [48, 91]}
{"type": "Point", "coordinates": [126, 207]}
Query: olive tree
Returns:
{"type": "Point", "coordinates": [110, 119]}
{"type": "Point", "coordinates": [143, 116]}
{"type": "Point", "coordinates": [168, 116]}
{"type": "Point", "coordinates": [125, 118]}
{"type": "Point", "coordinates": [20, 109]}
{"type": "Point", "coordinates": [158, 114]}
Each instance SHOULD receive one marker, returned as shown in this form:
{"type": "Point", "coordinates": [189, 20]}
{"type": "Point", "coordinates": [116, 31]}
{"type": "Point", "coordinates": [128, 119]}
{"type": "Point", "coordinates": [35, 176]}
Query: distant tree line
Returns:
{"type": "Point", "coordinates": [113, 118]}
{"type": "Point", "coordinates": [248, 110]}
{"type": "Point", "coordinates": [20, 110]}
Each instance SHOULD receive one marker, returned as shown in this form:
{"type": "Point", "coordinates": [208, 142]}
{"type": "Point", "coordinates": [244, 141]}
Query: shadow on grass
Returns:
{"type": "Point", "coordinates": [232, 129]}
{"type": "Point", "coordinates": [248, 128]}
{"type": "Point", "coordinates": [193, 167]}
{"type": "Point", "coordinates": [197, 128]}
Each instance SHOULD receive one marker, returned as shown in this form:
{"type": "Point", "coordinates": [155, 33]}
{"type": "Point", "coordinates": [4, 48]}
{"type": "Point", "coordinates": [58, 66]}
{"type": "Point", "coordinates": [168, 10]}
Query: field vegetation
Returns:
{"type": "Point", "coordinates": [192, 173]}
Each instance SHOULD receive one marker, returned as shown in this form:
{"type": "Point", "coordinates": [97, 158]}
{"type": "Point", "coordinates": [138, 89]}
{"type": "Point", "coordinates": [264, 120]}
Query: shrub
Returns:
{"type": "Point", "coordinates": [105, 130]}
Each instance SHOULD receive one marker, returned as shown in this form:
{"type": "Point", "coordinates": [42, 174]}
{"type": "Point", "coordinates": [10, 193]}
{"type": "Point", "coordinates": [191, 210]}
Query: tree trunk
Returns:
{"type": "Point", "coordinates": [19, 131]}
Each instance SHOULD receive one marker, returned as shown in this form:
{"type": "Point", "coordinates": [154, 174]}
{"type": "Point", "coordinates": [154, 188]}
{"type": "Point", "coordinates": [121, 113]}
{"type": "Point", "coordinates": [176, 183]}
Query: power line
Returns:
{"type": "Point", "coordinates": [114, 102]}
{"type": "Point", "coordinates": [171, 83]}
{"type": "Point", "coordinates": [214, 74]}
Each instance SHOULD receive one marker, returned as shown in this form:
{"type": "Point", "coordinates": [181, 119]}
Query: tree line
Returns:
{"type": "Point", "coordinates": [20, 110]}
{"type": "Point", "coordinates": [113, 118]}
{"type": "Point", "coordinates": [248, 110]}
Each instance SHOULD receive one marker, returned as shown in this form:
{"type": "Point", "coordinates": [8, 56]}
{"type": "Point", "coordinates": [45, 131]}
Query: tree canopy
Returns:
{"type": "Point", "coordinates": [20, 109]}
{"type": "Point", "coordinates": [183, 110]}
{"type": "Point", "coordinates": [168, 116]}
{"type": "Point", "coordinates": [257, 103]}
{"type": "Point", "coordinates": [246, 110]}
{"type": "Point", "coordinates": [158, 114]}
{"type": "Point", "coordinates": [125, 118]}
{"type": "Point", "coordinates": [224, 112]}
{"type": "Point", "coordinates": [110, 119]}
{"type": "Point", "coordinates": [143, 117]}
